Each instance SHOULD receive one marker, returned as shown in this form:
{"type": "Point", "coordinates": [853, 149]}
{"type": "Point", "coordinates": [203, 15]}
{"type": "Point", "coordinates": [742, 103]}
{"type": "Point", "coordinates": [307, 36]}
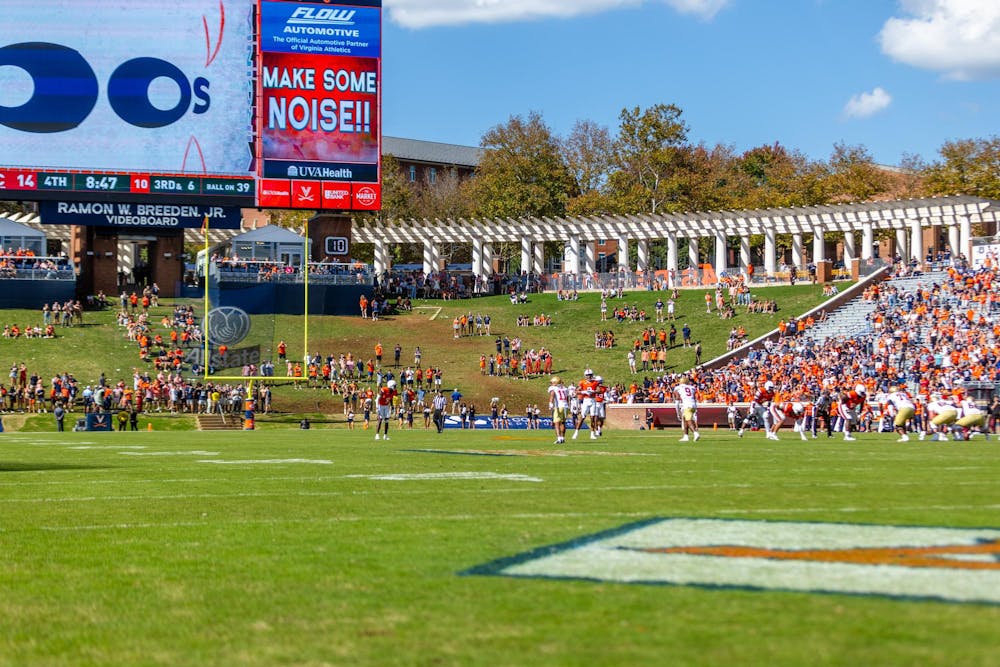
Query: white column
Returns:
{"type": "Point", "coordinates": [819, 245]}
{"type": "Point", "coordinates": [477, 257]}
{"type": "Point", "coordinates": [573, 265]}
{"type": "Point", "coordinates": [867, 241]}
{"type": "Point", "coordinates": [916, 240]}
{"type": "Point", "coordinates": [380, 256]}
{"type": "Point", "coordinates": [901, 244]}
{"type": "Point", "coordinates": [429, 265]}
{"type": "Point", "coordinates": [623, 253]}
{"type": "Point", "coordinates": [487, 260]}
{"type": "Point", "coordinates": [589, 257]}
{"type": "Point", "coordinates": [744, 253]}
{"type": "Point", "coordinates": [525, 253]}
{"type": "Point", "coordinates": [965, 238]}
{"type": "Point", "coordinates": [693, 258]}
{"type": "Point", "coordinates": [953, 240]}
{"type": "Point", "coordinates": [770, 265]}
{"type": "Point", "coordinates": [797, 251]}
{"type": "Point", "coordinates": [721, 260]}
{"type": "Point", "coordinates": [641, 255]}
{"type": "Point", "coordinates": [538, 265]}
{"type": "Point", "coordinates": [672, 252]}
{"type": "Point", "coordinates": [849, 250]}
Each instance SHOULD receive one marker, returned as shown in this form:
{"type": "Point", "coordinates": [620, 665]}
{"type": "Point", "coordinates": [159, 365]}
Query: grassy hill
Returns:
{"type": "Point", "coordinates": [100, 345]}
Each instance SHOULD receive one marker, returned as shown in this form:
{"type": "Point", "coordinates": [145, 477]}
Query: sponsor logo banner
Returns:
{"type": "Point", "coordinates": [231, 359]}
{"type": "Point", "coordinates": [275, 193]}
{"type": "Point", "coordinates": [950, 564]}
{"type": "Point", "coordinates": [322, 29]}
{"type": "Point", "coordinates": [337, 196]}
{"type": "Point", "coordinates": [99, 214]}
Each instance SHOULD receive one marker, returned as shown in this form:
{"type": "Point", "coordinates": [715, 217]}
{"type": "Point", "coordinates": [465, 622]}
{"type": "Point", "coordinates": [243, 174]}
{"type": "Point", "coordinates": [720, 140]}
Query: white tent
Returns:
{"type": "Point", "coordinates": [270, 244]}
{"type": "Point", "coordinates": [14, 235]}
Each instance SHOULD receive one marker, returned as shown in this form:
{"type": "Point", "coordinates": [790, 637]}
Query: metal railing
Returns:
{"type": "Point", "coordinates": [320, 273]}
{"type": "Point", "coordinates": [36, 268]}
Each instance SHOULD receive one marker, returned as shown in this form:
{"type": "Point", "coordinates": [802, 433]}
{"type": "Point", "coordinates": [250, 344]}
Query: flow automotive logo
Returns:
{"type": "Point", "coordinates": [66, 90]}
{"type": "Point", "coordinates": [322, 16]}
{"type": "Point", "coordinates": [950, 564]}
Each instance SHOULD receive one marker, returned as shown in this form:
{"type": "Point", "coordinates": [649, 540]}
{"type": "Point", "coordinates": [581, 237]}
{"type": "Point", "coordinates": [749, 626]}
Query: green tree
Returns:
{"type": "Point", "coordinates": [397, 204]}
{"type": "Point", "coordinates": [853, 175]}
{"type": "Point", "coordinates": [522, 172]}
{"type": "Point", "coordinates": [966, 167]}
{"type": "Point", "coordinates": [588, 153]}
{"type": "Point", "coordinates": [649, 154]}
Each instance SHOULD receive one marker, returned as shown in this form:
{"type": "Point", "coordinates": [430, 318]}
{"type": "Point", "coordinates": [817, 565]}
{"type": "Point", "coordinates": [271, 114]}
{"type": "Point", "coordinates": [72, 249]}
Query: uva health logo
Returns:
{"type": "Point", "coordinates": [951, 564]}
{"type": "Point", "coordinates": [66, 90]}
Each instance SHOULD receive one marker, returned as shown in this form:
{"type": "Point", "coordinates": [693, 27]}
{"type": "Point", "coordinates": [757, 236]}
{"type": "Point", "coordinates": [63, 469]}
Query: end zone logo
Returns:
{"type": "Point", "coordinates": [951, 564]}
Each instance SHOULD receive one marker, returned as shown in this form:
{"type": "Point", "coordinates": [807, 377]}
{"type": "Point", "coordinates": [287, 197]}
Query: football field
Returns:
{"type": "Point", "coordinates": [325, 547]}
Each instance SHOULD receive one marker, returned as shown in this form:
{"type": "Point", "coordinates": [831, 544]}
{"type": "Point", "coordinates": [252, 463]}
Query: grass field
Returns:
{"type": "Point", "coordinates": [324, 547]}
{"type": "Point", "coordinates": [100, 345]}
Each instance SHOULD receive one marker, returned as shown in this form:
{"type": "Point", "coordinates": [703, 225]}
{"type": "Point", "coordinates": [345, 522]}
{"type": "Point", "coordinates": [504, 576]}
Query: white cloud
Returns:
{"type": "Point", "coordinates": [960, 38]}
{"type": "Point", "coordinates": [863, 105]}
{"type": "Point", "coordinates": [429, 13]}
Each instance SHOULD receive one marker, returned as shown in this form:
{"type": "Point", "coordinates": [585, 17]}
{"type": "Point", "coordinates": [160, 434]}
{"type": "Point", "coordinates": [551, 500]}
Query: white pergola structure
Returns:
{"type": "Point", "coordinates": [907, 217]}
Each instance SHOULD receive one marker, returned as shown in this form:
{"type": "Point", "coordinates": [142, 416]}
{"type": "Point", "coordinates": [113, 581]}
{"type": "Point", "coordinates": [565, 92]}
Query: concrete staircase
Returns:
{"type": "Point", "coordinates": [850, 320]}
{"type": "Point", "coordinates": [219, 423]}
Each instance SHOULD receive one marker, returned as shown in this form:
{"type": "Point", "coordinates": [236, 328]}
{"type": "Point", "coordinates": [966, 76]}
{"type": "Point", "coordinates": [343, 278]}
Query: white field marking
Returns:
{"type": "Point", "coordinates": [437, 310]}
{"type": "Point", "coordinates": [194, 453]}
{"type": "Point", "coordinates": [416, 491]}
{"type": "Point", "coordinates": [321, 462]}
{"type": "Point", "coordinates": [332, 520]}
{"type": "Point", "coordinates": [109, 447]}
{"type": "Point", "coordinates": [213, 522]}
{"type": "Point", "coordinates": [47, 443]}
{"type": "Point", "coordinates": [176, 496]}
{"type": "Point", "coordinates": [436, 476]}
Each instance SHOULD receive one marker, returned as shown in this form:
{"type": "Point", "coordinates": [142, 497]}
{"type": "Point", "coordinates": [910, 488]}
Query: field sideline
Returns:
{"type": "Point", "coordinates": [326, 548]}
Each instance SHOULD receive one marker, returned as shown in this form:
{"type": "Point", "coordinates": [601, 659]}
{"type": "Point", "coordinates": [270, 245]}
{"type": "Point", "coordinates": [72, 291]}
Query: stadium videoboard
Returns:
{"type": "Point", "coordinates": [165, 103]}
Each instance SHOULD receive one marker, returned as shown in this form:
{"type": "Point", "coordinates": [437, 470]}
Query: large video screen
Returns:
{"type": "Point", "coordinates": [269, 103]}
{"type": "Point", "coordinates": [136, 99]}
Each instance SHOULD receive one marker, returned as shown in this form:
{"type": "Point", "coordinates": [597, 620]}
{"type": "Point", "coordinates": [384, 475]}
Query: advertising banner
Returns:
{"type": "Point", "coordinates": [319, 100]}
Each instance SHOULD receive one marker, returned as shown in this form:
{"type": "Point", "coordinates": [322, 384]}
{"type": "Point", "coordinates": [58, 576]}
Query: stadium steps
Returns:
{"type": "Point", "coordinates": [851, 319]}
{"type": "Point", "coordinates": [219, 423]}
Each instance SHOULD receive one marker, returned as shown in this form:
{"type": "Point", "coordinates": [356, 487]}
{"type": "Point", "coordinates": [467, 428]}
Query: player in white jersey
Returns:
{"type": "Point", "coordinates": [780, 411]}
{"type": "Point", "coordinates": [905, 408]}
{"type": "Point", "coordinates": [687, 408]}
{"type": "Point", "coordinates": [559, 404]}
{"type": "Point", "coordinates": [942, 413]}
{"type": "Point", "coordinates": [972, 419]}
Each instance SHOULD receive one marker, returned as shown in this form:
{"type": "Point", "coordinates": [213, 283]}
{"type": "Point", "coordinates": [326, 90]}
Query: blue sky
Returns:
{"type": "Point", "coordinates": [898, 76]}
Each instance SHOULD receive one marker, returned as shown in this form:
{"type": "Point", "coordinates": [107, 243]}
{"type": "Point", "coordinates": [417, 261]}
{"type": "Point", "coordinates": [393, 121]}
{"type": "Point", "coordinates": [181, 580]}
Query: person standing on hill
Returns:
{"type": "Point", "coordinates": [60, 414]}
